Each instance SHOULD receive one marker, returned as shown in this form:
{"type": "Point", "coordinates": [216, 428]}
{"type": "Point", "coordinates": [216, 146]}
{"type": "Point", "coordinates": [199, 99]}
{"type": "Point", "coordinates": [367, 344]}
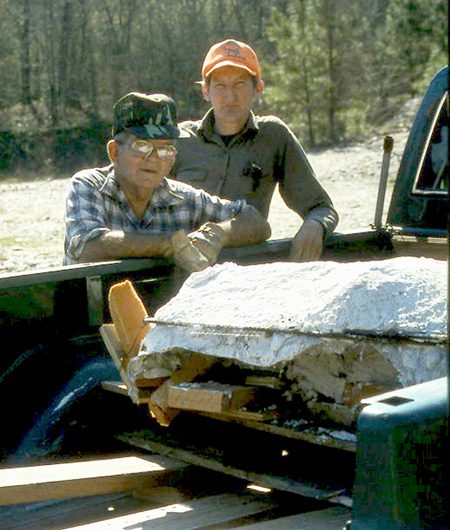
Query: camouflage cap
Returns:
{"type": "Point", "coordinates": [147, 116]}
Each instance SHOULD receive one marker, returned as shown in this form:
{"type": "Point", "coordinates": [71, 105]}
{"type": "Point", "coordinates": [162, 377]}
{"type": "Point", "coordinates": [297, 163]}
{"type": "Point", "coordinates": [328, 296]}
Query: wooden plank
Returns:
{"type": "Point", "coordinates": [77, 479]}
{"type": "Point", "coordinates": [271, 481]}
{"type": "Point", "coordinates": [328, 519]}
{"type": "Point", "coordinates": [242, 396]}
{"type": "Point", "coordinates": [267, 381]}
{"type": "Point", "coordinates": [209, 397]}
{"type": "Point", "coordinates": [116, 387]}
{"type": "Point", "coordinates": [191, 515]}
{"type": "Point", "coordinates": [256, 420]}
{"type": "Point", "coordinates": [111, 340]}
{"type": "Point", "coordinates": [121, 388]}
{"type": "Point", "coordinates": [197, 397]}
{"type": "Point", "coordinates": [159, 406]}
{"type": "Point", "coordinates": [246, 415]}
{"type": "Point", "coordinates": [63, 513]}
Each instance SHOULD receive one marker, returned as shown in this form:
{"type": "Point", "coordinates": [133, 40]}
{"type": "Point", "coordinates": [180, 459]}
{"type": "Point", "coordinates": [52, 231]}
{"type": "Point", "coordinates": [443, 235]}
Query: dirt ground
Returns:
{"type": "Point", "coordinates": [31, 213]}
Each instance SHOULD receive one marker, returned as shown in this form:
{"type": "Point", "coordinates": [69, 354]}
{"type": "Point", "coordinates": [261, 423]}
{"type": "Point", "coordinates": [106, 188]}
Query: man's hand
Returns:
{"type": "Point", "coordinates": [186, 255]}
{"type": "Point", "coordinates": [209, 239]}
{"type": "Point", "coordinates": [307, 244]}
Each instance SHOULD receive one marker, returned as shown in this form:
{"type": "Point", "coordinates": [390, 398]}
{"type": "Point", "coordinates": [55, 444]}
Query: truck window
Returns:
{"type": "Point", "coordinates": [432, 175]}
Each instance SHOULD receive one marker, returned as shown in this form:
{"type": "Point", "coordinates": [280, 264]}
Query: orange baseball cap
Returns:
{"type": "Point", "coordinates": [231, 53]}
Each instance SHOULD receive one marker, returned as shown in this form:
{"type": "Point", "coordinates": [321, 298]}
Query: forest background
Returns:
{"type": "Point", "coordinates": [334, 69]}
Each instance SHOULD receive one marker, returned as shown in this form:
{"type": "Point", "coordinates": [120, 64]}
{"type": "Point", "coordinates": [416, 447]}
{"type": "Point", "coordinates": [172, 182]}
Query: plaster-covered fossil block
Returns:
{"type": "Point", "coordinates": [327, 326]}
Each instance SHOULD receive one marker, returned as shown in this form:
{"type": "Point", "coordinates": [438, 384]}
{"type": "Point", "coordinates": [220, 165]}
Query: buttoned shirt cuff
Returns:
{"type": "Point", "coordinates": [321, 222]}
{"type": "Point", "coordinates": [327, 217]}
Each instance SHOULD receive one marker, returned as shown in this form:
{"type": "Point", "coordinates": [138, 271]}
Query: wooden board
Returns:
{"type": "Point", "coordinates": [209, 397]}
{"type": "Point", "coordinates": [195, 514]}
{"type": "Point", "coordinates": [328, 519]}
{"type": "Point", "coordinates": [77, 479]}
{"type": "Point", "coordinates": [257, 421]}
{"type": "Point", "coordinates": [121, 388]}
{"type": "Point", "coordinates": [159, 406]}
{"type": "Point", "coordinates": [267, 381]}
{"type": "Point", "coordinates": [245, 415]}
{"type": "Point", "coordinates": [272, 481]}
{"type": "Point", "coordinates": [198, 398]}
{"type": "Point", "coordinates": [111, 340]}
{"type": "Point", "coordinates": [63, 513]}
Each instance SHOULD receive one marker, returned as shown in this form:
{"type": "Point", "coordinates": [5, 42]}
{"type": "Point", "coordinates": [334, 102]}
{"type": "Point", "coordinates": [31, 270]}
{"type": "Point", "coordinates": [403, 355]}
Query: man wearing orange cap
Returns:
{"type": "Point", "coordinates": [233, 153]}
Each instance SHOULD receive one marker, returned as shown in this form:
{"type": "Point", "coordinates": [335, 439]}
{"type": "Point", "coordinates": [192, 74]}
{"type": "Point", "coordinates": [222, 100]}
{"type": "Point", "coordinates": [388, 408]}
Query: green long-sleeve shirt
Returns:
{"type": "Point", "coordinates": [265, 153]}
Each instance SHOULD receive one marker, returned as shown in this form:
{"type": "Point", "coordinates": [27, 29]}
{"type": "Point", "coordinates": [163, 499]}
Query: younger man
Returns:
{"type": "Point", "coordinates": [237, 155]}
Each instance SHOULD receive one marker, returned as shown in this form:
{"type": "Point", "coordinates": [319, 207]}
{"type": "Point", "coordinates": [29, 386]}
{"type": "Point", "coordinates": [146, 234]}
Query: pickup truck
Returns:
{"type": "Point", "coordinates": [53, 359]}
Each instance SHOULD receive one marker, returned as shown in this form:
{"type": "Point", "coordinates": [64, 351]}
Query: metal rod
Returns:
{"type": "Point", "coordinates": [421, 232]}
{"type": "Point", "coordinates": [388, 145]}
{"type": "Point", "coordinates": [345, 334]}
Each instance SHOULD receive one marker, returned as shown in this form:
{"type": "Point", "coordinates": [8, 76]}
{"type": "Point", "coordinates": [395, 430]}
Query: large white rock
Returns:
{"type": "Point", "coordinates": [324, 323]}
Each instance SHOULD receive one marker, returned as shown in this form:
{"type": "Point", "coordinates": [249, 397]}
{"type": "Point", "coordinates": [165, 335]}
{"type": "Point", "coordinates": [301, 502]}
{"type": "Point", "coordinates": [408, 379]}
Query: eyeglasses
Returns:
{"type": "Point", "coordinates": [144, 148]}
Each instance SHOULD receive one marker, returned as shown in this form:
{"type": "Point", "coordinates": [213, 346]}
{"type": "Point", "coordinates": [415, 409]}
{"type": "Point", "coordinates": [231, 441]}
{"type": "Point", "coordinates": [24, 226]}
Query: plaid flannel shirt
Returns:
{"type": "Point", "coordinates": [95, 205]}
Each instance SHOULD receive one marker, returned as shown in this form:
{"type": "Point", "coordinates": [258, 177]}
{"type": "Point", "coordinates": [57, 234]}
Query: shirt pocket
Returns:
{"type": "Point", "coordinates": [254, 177]}
{"type": "Point", "coordinates": [192, 176]}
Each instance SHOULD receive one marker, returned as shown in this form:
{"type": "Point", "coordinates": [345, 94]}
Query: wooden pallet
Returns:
{"type": "Point", "coordinates": [167, 396]}
{"type": "Point", "coordinates": [265, 421]}
{"type": "Point", "coordinates": [227, 402]}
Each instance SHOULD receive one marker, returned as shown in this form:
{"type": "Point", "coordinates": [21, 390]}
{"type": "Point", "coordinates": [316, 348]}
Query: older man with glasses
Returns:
{"type": "Point", "coordinates": [132, 209]}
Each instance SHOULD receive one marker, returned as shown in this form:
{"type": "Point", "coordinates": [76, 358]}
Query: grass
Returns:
{"type": "Point", "coordinates": [7, 243]}
{"type": "Point", "coordinates": [22, 175]}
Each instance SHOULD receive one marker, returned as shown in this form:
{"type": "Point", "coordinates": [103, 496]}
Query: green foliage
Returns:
{"type": "Point", "coordinates": [343, 67]}
{"type": "Point", "coordinates": [332, 68]}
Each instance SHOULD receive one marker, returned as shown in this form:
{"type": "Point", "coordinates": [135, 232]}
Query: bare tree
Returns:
{"type": "Point", "coordinates": [120, 16]}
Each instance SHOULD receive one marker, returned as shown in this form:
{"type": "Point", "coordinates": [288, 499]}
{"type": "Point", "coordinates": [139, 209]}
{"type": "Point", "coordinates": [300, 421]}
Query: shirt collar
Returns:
{"type": "Point", "coordinates": [164, 194]}
{"type": "Point", "coordinates": [206, 127]}
{"type": "Point", "coordinates": [111, 186]}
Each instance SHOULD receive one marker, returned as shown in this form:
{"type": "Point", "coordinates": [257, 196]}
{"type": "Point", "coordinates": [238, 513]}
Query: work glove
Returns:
{"type": "Point", "coordinates": [209, 239]}
{"type": "Point", "coordinates": [186, 255]}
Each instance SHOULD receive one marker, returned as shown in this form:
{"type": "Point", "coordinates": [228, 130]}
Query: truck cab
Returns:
{"type": "Point", "coordinates": [419, 203]}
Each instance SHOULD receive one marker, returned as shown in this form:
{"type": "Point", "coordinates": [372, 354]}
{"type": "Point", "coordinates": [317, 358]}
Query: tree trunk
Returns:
{"type": "Point", "coordinates": [87, 58]}
{"type": "Point", "coordinates": [329, 10]}
{"type": "Point", "coordinates": [306, 81]}
{"type": "Point", "coordinates": [25, 54]}
{"type": "Point", "coordinates": [63, 52]}
{"type": "Point", "coordinates": [120, 35]}
{"type": "Point", "coordinates": [53, 99]}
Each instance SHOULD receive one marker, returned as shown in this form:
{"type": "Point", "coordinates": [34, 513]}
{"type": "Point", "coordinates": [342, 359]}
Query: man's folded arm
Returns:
{"type": "Point", "coordinates": [248, 227]}
{"type": "Point", "coordinates": [116, 244]}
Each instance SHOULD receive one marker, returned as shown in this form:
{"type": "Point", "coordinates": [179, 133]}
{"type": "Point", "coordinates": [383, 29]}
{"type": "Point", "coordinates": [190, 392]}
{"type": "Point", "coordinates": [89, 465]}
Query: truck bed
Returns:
{"type": "Point", "coordinates": [157, 492]}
